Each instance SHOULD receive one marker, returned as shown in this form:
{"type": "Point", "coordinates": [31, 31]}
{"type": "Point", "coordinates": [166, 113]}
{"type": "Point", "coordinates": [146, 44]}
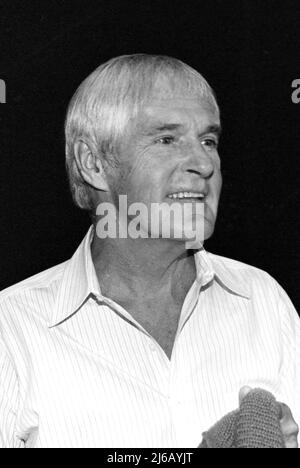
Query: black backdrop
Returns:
{"type": "Point", "coordinates": [248, 51]}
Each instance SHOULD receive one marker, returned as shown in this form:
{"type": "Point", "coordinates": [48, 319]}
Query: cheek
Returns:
{"type": "Point", "coordinates": [134, 182]}
{"type": "Point", "coordinates": [143, 175]}
{"type": "Point", "coordinates": [217, 183]}
{"type": "Point", "coordinates": [135, 170]}
{"type": "Point", "coordinates": [220, 182]}
{"type": "Point", "coordinates": [218, 173]}
{"type": "Point", "coordinates": [217, 162]}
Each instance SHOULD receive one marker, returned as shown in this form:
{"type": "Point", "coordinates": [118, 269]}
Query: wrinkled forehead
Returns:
{"type": "Point", "coordinates": [171, 95]}
{"type": "Point", "coordinates": [175, 112]}
{"type": "Point", "coordinates": [172, 98]}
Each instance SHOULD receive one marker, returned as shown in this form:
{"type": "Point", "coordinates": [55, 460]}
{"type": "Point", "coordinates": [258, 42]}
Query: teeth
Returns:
{"type": "Point", "coordinates": [187, 195]}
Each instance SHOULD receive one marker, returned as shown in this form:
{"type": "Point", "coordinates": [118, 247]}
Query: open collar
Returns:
{"type": "Point", "coordinates": [79, 280]}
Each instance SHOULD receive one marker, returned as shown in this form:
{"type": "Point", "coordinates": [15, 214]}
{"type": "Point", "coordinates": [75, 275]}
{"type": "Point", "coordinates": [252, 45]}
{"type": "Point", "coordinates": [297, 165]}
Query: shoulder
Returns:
{"type": "Point", "coordinates": [236, 265]}
{"type": "Point", "coordinates": [39, 281]}
{"type": "Point", "coordinates": [27, 294]}
{"type": "Point", "coordinates": [257, 281]}
{"type": "Point", "coordinates": [240, 268]}
{"type": "Point", "coordinates": [268, 300]}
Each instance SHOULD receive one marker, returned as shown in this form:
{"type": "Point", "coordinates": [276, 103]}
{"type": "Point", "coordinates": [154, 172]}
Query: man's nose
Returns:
{"type": "Point", "coordinates": [199, 162]}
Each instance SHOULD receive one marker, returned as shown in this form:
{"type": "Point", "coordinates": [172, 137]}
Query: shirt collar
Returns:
{"type": "Point", "coordinates": [79, 280]}
{"type": "Point", "coordinates": [210, 267]}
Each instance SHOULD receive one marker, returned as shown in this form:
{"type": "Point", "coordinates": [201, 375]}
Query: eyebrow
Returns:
{"type": "Point", "coordinates": [217, 129]}
{"type": "Point", "coordinates": [164, 127]}
{"type": "Point", "coordinates": [169, 127]}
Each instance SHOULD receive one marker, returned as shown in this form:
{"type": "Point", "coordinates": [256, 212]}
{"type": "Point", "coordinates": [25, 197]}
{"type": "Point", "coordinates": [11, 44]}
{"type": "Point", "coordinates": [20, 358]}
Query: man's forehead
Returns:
{"type": "Point", "coordinates": [177, 111]}
{"type": "Point", "coordinates": [179, 104]}
{"type": "Point", "coordinates": [171, 90]}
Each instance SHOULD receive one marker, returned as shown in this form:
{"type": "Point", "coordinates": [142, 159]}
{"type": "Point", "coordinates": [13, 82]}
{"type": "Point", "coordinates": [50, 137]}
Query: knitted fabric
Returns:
{"type": "Point", "coordinates": [256, 424]}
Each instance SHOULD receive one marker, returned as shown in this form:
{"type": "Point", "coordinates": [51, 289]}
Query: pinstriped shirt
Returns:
{"type": "Point", "coordinates": [76, 370]}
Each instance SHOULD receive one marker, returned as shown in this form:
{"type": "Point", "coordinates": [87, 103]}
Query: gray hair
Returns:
{"type": "Point", "coordinates": [110, 97]}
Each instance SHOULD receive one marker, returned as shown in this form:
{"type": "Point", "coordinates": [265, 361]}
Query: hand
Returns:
{"type": "Point", "coordinates": [288, 425]}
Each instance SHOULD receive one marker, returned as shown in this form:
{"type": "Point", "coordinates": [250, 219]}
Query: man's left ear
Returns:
{"type": "Point", "coordinates": [90, 166]}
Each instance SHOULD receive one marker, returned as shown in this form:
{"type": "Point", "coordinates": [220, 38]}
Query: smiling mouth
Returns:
{"type": "Point", "coordinates": [192, 196]}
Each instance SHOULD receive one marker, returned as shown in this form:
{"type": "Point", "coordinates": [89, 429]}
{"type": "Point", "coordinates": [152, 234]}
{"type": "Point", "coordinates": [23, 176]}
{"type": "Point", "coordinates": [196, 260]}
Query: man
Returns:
{"type": "Point", "coordinates": [141, 341]}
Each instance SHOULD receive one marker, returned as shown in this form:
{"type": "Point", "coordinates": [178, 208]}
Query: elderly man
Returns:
{"type": "Point", "coordinates": [141, 341]}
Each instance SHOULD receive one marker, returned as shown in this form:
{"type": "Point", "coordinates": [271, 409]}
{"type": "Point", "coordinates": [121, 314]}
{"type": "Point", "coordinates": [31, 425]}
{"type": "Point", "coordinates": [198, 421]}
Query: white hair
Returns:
{"type": "Point", "coordinates": [106, 100]}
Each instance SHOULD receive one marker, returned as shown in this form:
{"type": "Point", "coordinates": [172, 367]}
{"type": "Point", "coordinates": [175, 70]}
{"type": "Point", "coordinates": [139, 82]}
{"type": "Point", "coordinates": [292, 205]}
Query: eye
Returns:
{"type": "Point", "coordinates": [165, 140]}
{"type": "Point", "coordinates": [210, 143]}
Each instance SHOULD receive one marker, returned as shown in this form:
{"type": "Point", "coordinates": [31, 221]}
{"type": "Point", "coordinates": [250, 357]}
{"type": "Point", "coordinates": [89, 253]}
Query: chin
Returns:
{"type": "Point", "coordinates": [208, 230]}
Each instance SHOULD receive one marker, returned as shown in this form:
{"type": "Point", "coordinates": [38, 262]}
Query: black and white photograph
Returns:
{"type": "Point", "coordinates": [149, 226]}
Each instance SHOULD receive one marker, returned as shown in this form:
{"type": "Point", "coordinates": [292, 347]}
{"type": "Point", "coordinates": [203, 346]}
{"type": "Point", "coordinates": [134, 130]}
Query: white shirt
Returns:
{"type": "Point", "coordinates": [76, 370]}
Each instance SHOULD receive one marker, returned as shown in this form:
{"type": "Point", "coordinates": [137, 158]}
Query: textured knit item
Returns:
{"type": "Point", "coordinates": [254, 425]}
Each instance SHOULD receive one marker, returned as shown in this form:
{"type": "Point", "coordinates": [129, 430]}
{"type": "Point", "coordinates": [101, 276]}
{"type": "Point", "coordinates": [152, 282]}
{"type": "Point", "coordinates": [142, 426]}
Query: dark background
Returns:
{"type": "Point", "coordinates": [249, 52]}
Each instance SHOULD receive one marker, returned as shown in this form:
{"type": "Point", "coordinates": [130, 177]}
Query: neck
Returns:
{"type": "Point", "coordinates": [141, 264]}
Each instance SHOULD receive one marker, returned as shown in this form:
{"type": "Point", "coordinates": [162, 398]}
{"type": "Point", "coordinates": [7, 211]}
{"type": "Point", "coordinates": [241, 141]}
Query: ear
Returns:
{"type": "Point", "coordinates": [90, 166]}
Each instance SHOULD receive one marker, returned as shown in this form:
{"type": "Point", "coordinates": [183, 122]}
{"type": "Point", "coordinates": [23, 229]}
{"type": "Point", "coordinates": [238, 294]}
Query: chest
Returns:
{"type": "Point", "coordinates": [164, 328]}
{"type": "Point", "coordinates": [83, 395]}
{"type": "Point", "coordinates": [160, 319]}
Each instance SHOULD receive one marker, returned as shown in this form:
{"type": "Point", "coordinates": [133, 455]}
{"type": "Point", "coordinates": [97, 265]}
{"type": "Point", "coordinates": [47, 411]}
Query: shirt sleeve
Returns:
{"type": "Point", "coordinates": [9, 398]}
{"type": "Point", "coordinates": [290, 371]}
